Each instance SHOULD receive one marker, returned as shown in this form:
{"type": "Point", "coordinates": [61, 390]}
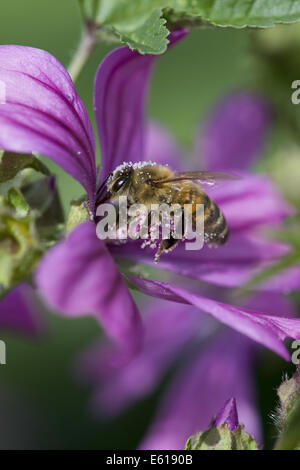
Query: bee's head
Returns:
{"type": "Point", "coordinates": [134, 178]}
{"type": "Point", "coordinates": [119, 182]}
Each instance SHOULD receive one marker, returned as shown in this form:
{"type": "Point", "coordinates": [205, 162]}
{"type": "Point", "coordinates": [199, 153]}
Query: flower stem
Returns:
{"type": "Point", "coordinates": [83, 52]}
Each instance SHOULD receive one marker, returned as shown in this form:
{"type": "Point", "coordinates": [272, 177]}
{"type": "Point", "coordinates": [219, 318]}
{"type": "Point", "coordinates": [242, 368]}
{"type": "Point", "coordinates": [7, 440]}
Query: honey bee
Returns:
{"type": "Point", "coordinates": [150, 183]}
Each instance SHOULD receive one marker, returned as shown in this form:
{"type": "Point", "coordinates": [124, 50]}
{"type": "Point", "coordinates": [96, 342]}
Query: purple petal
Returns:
{"type": "Point", "coordinates": [78, 276]}
{"type": "Point", "coordinates": [120, 90]}
{"type": "Point", "coordinates": [19, 312]}
{"type": "Point", "coordinates": [119, 100]}
{"type": "Point", "coordinates": [285, 281]}
{"type": "Point", "coordinates": [177, 35]}
{"type": "Point", "coordinates": [271, 302]}
{"type": "Point", "coordinates": [234, 134]}
{"type": "Point", "coordinates": [119, 381]}
{"type": "Point", "coordinates": [228, 415]}
{"type": "Point", "coordinates": [251, 202]}
{"type": "Point", "coordinates": [160, 147]}
{"type": "Point", "coordinates": [268, 330]}
{"type": "Point", "coordinates": [230, 265]}
{"type": "Point", "coordinates": [43, 113]}
{"type": "Point", "coordinates": [221, 371]}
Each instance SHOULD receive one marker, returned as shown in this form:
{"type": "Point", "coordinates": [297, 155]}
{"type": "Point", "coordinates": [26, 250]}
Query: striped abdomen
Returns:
{"type": "Point", "coordinates": [215, 225]}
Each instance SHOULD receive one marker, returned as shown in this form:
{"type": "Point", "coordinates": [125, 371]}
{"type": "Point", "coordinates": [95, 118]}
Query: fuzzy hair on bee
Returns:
{"type": "Point", "coordinates": [150, 183]}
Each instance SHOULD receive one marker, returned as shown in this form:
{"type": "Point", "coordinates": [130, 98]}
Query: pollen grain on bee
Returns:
{"type": "Point", "coordinates": [121, 222]}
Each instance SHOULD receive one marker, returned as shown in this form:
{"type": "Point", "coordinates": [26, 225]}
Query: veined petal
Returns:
{"type": "Point", "coordinates": [221, 371]}
{"type": "Point", "coordinates": [230, 265]}
{"type": "Point", "coordinates": [234, 134]}
{"type": "Point", "coordinates": [119, 100]}
{"type": "Point", "coordinates": [40, 111]}
{"type": "Point", "coordinates": [119, 381]}
{"type": "Point", "coordinates": [268, 330]}
{"type": "Point", "coordinates": [120, 92]}
{"type": "Point", "coordinates": [19, 311]}
{"type": "Point", "coordinates": [78, 276]}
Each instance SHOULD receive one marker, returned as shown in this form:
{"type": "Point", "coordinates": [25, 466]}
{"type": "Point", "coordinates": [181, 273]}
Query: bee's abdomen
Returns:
{"type": "Point", "coordinates": [215, 225]}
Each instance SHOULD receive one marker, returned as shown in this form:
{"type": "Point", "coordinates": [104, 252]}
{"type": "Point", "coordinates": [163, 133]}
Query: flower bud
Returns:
{"type": "Point", "coordinates": [225, 433]}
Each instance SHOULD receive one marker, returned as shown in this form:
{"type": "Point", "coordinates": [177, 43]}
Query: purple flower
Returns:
{"type": "Point", "coordinates": [43, 113]}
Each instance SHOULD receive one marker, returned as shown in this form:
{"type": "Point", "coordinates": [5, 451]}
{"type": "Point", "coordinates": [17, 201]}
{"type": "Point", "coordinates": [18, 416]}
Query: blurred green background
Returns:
{"type": "Point", "coordinates": [42, 405]}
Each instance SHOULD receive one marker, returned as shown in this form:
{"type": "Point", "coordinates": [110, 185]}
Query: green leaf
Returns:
{"type": "Point", "coordinates": [241, 13]}
{"type": "Point", "coordinates": [139, 24]}
{"type": "Point", "coordinates": [12, 163]}
{"type": "Point", "coordinates": [131, 13]}
{"type": "Point", "coordinates": [150, 37]}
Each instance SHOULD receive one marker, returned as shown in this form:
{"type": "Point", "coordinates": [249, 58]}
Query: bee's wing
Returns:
{"type": "Point", "coordinates": [205, 176]}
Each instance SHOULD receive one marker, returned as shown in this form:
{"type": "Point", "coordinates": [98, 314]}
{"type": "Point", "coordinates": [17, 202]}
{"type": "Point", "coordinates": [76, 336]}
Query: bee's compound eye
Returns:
{"type": "Point", "coordinates": [121, 181]}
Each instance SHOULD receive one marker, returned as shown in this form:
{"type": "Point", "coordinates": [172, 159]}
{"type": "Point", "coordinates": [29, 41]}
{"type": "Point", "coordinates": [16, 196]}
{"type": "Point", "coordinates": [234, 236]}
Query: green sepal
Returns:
{"type": "Point", "coordinates": [78, 213]}
{"type": "Point", "coordinates": [31, 220]}
{"type": "Point", "coordinates": [20, 243]}
{"type": "Point", "coordinates": [241, 440]}
{"type": "Point", "coordinates": [221, 438]}
{"type": "Point", "coordinates": [12, 163]}
{"type": "Point", "coordinates": [43, 198]}
{"type": "Point", "coordinates": [16, 199]}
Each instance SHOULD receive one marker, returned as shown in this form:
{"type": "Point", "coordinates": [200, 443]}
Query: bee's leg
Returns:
{"type": "Point", "coordinates": [166, 246]}
{"type": "Point", "coordinates": [149, 223]}
{"type": "Point", "coordinates": [183, 227]}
